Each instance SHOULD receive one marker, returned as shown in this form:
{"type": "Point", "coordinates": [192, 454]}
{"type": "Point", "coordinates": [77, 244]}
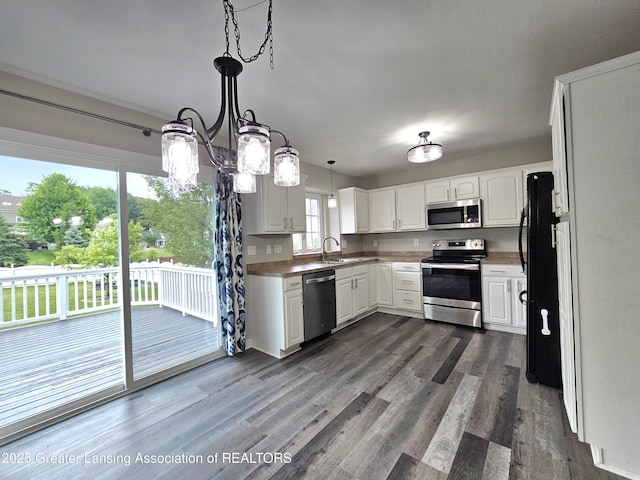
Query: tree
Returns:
{"type": "Point", "coordinates": [73, 236]}
{"type": "Point", "coordinates": [12, 250]}
{"type": "Point", "coordinates": [56, 197]}
{"type": "Point", "coordinates": [138, 208]}
{"type": "Point", "coordinates": [103, 247]}
{"type": "Point", "coordinates": [104, 200]}
{"type": "Point", "coordinates": [186, 220]}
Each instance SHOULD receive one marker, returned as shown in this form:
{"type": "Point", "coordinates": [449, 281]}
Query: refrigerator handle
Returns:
{"type": "Point", "coordinates": [523, 215]}
{"type": "Point", "coordinates": [545, 322]}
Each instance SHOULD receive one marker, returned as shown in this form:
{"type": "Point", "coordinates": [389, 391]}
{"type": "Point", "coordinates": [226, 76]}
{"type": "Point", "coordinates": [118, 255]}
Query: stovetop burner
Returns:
{"type": "Point", "coordinates": [457, 251]}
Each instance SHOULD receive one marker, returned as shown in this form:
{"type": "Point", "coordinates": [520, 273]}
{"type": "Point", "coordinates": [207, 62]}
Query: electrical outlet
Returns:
{"type": "Point", "coordinates": [375, 243]}
{"type": "Point", "coordinates": [268, 249]}
{"type": "Point", "coordinates": [416, 242]}
{"type": "Point", "coordinates": [251, 250]}
{"type": "Point", "coordinates": [277, 249]}
{"type": "Point", "coordinates": [344, 244]}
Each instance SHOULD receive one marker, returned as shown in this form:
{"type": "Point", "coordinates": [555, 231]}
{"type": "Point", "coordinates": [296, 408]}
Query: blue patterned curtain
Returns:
{"type": "Point", "coordinates": [229, 265]}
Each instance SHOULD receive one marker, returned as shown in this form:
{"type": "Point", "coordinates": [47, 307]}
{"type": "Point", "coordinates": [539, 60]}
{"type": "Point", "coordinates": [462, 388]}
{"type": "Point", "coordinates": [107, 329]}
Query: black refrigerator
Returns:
{"type": "Point", "coordinates": [540, 266]}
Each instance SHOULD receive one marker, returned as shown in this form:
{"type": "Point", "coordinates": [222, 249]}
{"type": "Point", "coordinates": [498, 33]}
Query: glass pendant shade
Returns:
{"type": "Point", "coordinates": [180, 154]}
{"type": "Point", "coordinates": [332, 201]}
{"type": "Point", "coordinates": [253, 150]}
{"type": "Point", "coordinates": [244, 183]}
{"type": "Point", "coordinates": [424, 152]}
{"type": "Point", "coordinates": [286, 166]}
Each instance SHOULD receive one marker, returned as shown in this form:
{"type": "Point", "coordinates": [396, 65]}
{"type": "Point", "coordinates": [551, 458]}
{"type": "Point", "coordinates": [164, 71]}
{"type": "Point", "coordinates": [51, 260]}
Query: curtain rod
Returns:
{"type": "Point", "coordinates": [146, 131]}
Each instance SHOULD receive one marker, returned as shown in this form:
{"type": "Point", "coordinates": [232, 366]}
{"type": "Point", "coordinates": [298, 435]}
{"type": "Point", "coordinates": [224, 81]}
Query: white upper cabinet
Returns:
{"type": "Point", "coordinates": [449, 190]}
{"type": "Point", "coordinates": [410, 207]}
{"type": "Point", "coordinates": [274, 209]}
{"type": "Point", "coordinates": [502, 194]}
{"type": "Point", "coordinates": [397, 209]}
{"type": "Point", "coordinates": [382, 204]}
{"type": "Point", "coordinates": [557, 121]}
{"type": "Point", "coordinates": [354, 210]}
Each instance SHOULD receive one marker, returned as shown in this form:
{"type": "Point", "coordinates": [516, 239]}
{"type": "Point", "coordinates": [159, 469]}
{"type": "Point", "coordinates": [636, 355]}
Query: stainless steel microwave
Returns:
{"type": "Point", "coordinates": [460, 214]}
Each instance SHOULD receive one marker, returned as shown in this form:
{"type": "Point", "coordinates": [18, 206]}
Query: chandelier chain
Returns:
{"type": "Point", "coordinates": [230, 12]}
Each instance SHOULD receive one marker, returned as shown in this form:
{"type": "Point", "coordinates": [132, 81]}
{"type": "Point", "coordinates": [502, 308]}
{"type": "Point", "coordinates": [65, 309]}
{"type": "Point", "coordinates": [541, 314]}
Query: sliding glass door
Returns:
{"type": "Point", "coordinates": [172, 284]}
{"type": "Point", "coordinates": [61, 318]}
{"type": "Point", "coordinates": [78, 324]}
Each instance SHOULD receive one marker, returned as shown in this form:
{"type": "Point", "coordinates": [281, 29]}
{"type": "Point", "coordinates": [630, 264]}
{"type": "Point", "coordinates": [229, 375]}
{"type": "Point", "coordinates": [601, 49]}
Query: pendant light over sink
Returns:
{"type": "Point", "coordinates": [424, 151]}
{"type": "Point", "coordinates": [332, 202]}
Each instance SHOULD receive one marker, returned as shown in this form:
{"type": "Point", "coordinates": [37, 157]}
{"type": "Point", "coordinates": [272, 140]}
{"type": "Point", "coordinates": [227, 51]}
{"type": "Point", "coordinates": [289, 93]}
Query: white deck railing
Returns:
{"type": "Point", "coordinates": [58, 293]}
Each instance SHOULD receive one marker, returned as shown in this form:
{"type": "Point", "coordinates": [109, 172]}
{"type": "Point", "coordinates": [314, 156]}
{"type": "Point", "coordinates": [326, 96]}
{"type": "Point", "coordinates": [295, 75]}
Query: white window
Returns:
{"type": "Point", "coordinates": [310, 241]}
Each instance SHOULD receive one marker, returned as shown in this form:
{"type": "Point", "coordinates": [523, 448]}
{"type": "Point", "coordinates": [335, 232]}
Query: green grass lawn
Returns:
{"type": "Point", "coordinates": [40, 257]}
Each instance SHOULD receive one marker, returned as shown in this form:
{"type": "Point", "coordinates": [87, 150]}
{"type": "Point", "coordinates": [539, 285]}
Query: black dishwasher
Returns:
{"type": "Point", "coordinates": [319, 303]}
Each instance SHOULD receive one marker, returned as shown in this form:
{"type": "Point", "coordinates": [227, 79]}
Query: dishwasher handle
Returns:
{"type": "Point", "coordinates": [328, 278]}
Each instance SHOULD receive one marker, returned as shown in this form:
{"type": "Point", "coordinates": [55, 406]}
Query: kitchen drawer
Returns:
{"type": "Point", "coordinates": [502, 270]}
{"type": "Point", "coordinates": [292, 283]}
{"type": "Point", "coordinates": [406, 267]}
{"type": "Point", "coordinates": [409, 300]}
{"type": "Point", "coordinates": [408, 281]}
{"type": "Point", "coordinates": [344, 272]}
{"type": "Point", "coordinates": [361, 270]}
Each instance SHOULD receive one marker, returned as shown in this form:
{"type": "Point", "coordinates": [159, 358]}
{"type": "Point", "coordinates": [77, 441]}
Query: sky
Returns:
{"type": "Point", "coordinates": [17, 173]}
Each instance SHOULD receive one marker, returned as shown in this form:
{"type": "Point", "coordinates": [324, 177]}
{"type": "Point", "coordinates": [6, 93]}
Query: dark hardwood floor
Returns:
{"type": "Point", "coordinates": [389, 397]}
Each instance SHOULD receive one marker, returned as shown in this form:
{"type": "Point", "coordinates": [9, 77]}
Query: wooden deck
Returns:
{"type": "Point", "coordinates": [48, 365]}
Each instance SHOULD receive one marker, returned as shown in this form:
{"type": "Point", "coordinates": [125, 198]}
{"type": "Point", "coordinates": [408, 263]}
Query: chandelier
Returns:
{"type": "Point", "coordinates": [424, 152]}
{"type": "Point", "coordinates": [251, 155]}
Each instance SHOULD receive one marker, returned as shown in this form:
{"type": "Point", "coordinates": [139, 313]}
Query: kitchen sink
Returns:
{"type": "Point", "coordinates": [332, 262]}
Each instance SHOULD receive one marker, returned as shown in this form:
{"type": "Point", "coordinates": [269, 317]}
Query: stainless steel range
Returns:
{"type": "Point", "coordinates": [451, 282]}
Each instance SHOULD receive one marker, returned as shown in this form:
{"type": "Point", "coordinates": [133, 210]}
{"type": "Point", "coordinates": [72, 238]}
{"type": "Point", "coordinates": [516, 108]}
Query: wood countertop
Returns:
{"type": "Point", "coordinates": [502, 258]}
{"type": "Point", "coordinates": [311, 264]}
{"type": "Point", "coordinates": [290, 268]}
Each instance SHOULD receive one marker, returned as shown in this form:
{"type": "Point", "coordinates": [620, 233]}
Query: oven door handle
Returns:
{"type": "Point", "coordinates": [446, 266]}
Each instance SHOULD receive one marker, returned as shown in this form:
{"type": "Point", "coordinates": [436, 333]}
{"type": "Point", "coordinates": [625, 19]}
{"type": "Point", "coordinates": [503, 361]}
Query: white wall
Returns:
{"type": "Point", "coordinates": [534, 151]}
{"type": "Point", "coordinates": [498, 239]}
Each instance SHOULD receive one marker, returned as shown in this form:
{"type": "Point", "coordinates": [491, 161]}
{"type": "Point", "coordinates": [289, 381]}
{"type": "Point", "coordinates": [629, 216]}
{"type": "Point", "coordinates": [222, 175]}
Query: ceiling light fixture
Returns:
{"type": "Point", "coordinates": [332, 202]}
{"type": "Point", "coordinates": [424, 152]}
{"type": "Point", "coordinates": [252, 139]}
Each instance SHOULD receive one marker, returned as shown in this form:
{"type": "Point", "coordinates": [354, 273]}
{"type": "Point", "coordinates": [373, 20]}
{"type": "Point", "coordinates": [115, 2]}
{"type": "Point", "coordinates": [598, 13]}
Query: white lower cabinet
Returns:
{"type": "Point", "coordinates": [407, 281]}
{"type": "Point", "coordinates": [384, 280]}
{"type": "Point", "coordinates": [352, 292]}
{"type": "Point", "coordinates": [501, 307]}
{"type": "Point", "coordinates": [275, 314]}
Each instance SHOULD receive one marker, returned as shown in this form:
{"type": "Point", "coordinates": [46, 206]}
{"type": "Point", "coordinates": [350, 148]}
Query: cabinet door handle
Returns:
{"type": "Point", "coordinates": [554, 243]}
{"type": "Point", "coordinates": [284, 223]}
{"type": "Point", "coordinates": [455, 193]}
{"type": "Point", "coordinates": [448, 196]}
{"type": "Point", "coordinates": [394, 224]}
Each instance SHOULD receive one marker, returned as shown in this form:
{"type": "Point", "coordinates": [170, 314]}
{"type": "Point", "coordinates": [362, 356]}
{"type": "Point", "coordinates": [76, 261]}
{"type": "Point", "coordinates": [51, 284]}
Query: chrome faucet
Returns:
{"type": "Point", "coordinates": [324, 252]}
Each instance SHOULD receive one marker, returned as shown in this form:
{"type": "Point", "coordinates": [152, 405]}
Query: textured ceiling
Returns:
{"type": "Point", "coordinates": [354, 81]}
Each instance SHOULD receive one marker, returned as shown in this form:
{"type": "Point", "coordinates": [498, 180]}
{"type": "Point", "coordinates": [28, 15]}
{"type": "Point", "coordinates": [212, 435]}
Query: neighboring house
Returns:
{"type": "Point", "coordinates": [9, 210]}
{"type": "Point", "coordinates": [160, 238]}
